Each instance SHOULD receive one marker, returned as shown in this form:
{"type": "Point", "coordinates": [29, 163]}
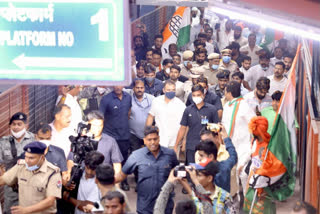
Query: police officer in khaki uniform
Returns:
{"type": "Point", "coordinates": [39, 181]}
{"type": "Point", "coordinates": [11, 147]}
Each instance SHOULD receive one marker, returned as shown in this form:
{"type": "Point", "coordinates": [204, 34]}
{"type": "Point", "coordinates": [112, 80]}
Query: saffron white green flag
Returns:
{"type": "Point", "coordinates": [177, 30]}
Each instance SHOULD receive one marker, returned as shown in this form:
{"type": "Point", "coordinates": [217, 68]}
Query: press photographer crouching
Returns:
{"type": "Point", "coordinates": [206, 195]}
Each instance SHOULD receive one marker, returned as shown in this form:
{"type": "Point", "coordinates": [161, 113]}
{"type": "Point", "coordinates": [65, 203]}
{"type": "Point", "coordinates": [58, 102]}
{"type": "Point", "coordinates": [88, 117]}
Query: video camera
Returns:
{"type": "Point", "coordinates": [81, 145]}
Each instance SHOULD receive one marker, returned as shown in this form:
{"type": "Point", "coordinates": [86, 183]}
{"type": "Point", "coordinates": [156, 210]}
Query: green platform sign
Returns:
{"type": "Point", "coordinates": [64, 42]}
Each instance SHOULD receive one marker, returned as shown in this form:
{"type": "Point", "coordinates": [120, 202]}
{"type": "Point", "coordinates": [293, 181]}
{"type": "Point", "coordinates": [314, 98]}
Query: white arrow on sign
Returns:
{"type": "Point", "coordinates": [23, 61]}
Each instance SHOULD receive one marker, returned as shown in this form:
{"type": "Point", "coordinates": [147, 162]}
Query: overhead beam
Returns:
{"type": "Point", "coordinates": [185, 3]}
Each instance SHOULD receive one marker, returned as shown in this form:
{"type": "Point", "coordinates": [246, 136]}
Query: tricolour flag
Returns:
{"type": "Point", "coordinates": [277, 173]}
{"type": "Point", "coordinates": [177, 30]}
{"type": "Point", "coordinates": [271, 35]}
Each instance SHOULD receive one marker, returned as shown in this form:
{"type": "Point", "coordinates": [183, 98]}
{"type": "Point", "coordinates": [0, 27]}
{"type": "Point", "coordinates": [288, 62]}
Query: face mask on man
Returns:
{"type": "Point", "coordinates": [186, 63]}
{"type": "Point", "coordinates": [226, 59]}
{"type": "Point", "coordinates": [167, 70]}
{"type": "Point", "coordinates": [214, 67]}
{"type": "Point", "coordinates": [34, 167]}
{"type": "Point", "coordinates": [18, 134]}
{"type": "Point", "coordinates": [101, 90]}
{"type": "Point", "coordinates": [197, 100]}
{"type": "Point", "coordinates": [265, 68]}
{"type": "Point", "coordinates": [47, 142]}
{"type": "Point", "coordinates": [170, 95]}
{"type": "Point", "coordinates": [149, 79]}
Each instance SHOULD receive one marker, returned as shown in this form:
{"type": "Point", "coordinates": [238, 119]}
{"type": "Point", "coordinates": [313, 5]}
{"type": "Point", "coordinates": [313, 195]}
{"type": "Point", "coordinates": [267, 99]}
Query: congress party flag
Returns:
{"type": "Point", "coordinates": [177, 30]}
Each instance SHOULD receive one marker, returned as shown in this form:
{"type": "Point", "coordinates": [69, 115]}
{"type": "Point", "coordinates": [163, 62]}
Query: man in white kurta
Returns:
{"type": "Point", "coordinates": [167, 114]}
{"type": "Point", "coordinates": [241, 137]}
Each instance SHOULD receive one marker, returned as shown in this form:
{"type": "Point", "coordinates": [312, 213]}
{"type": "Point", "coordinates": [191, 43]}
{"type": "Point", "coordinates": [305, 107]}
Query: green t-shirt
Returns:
{"type": "Point", "coordinates": [270, 114]}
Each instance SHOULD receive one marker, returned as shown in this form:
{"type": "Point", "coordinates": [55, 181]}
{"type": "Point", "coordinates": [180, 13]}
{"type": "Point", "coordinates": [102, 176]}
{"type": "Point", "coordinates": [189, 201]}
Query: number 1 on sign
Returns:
{"type": "Point", "coordinates": [101, 18]}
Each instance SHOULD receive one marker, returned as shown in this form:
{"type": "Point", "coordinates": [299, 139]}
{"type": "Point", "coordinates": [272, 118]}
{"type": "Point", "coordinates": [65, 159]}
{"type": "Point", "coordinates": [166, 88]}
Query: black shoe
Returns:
{"type": "Point", "coordinates": [124, 186]}
{"type": "Point", "coordinates": [136, 189]}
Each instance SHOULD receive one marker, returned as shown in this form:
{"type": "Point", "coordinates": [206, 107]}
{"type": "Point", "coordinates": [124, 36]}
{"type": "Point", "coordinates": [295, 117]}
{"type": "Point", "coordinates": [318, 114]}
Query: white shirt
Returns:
{"type": "Point", "coordinates": [254, 73]}
{"type": "Point", "coordinates": [224, 39]}
{"type": "Point", "coordinates": [88, 191]}
{"type": "Point", "coordinates": [274, 60]}
{"type": "Point", "coordinates": [167, 117]}
{"type": "Point", "coordinates": [76, 116]}
{"type": "Point", "coordinates": [244, 91]}
{"type": "Point", "coordinates": [61, 139]}
{"type": "Point", "coordinates": [180, 90]}
{"type": "Point", "coordinates": [253, 102]}
{"type": "Point", "coordinates": [241, 138]}
{"type": "Point", "coordinates": [244, 71]}
{"type": "Point", "coordinates": [242, 41]}
{"type": "Point", "coordinates": [276, 85]}
{"type": "Point", "coordinates": [252, 54]}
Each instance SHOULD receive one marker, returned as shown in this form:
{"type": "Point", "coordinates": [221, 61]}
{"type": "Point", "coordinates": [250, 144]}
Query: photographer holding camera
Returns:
{"type": "Point", "coordinates": [207, 197]}
{"type": "Point", "coordinates": [217, 146]}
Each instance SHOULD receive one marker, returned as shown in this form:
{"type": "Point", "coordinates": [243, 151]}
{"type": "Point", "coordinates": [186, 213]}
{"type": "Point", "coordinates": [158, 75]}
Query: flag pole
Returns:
{"type": "Point", "coordinates": [256, 191]}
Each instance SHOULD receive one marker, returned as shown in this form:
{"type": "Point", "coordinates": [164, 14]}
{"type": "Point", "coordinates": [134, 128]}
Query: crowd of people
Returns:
{"type": "Point", "coordinates": [200, 116]}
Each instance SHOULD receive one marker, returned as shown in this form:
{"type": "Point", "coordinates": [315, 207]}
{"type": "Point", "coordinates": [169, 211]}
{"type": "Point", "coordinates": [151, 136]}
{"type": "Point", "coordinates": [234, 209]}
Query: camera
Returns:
{"type": "Point", "coordinates": [82, 143]}
{"type": "Point", "coordinates": [180, 171]}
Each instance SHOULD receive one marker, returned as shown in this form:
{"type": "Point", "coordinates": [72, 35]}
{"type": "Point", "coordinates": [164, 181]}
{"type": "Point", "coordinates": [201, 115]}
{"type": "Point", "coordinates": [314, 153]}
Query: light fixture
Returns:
{"type": "Point", "coordinates": [271, 22]}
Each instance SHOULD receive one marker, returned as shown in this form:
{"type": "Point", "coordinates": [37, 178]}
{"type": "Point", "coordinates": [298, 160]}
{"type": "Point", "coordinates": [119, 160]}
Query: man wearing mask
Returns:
{"type": "Point", "coordinates": [263, 69]}
{"type": "Point", "coordinates": [164, 73]}
{"type": "Point", "coordinates": [92, 95]}
{"type": "Point", "coordinates": [195, 117]}
{"type": "Point", "coordinates": [237, 37]}
{"type": "Point", "coordinates": [227, 63]}
{"type": "Point", "coordinates": [166, 111]}
{"type": "Point", "coordinates": [235, 53]}
{"type": "Point", "coordinates": [209, 97]}
{"type": "Point", "coordinates": [53, 154]}
{"type": "Point", "coordinates": [39, 181]}
{"type": "Point", "coordinates": [186, 65]}
{"type": "Point", "coordinates": [152, 85]}
{"type": "Point", "coordinates": [11, 147]}
{"type": "Point", "coordinates": [251, 49]}
{"type": "Point", "coordinates": [214, 61]}
{"type": "Point", "coordinates": [259, 98]}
